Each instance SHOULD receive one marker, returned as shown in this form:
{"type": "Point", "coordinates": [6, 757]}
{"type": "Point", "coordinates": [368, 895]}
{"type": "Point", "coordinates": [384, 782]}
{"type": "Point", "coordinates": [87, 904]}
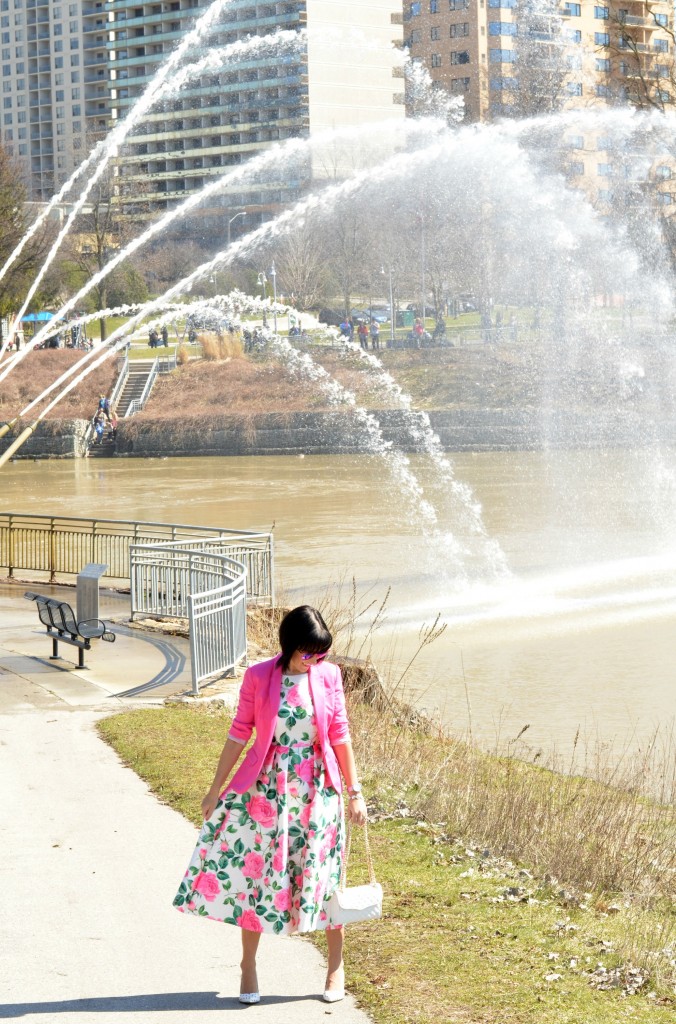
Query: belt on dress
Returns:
{"type": "Point", "coordinates": [285, 747]}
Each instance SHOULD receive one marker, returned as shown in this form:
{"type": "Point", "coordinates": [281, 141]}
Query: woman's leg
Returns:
{"type": "Point", "coordinates": [335, 938]}
{"type": "Point", "coordinates": [250, 942]}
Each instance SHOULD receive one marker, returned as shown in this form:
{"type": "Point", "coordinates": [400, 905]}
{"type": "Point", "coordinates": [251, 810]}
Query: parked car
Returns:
{"type": "Point", "coordinates": [379, 313]}
{"type": "Point", "coordinates": [330, 317]}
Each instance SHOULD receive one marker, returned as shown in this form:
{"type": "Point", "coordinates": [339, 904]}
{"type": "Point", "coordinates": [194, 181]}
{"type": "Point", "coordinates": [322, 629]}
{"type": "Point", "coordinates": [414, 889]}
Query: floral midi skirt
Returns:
{"type": "Point", "coordinates": [269, 859]}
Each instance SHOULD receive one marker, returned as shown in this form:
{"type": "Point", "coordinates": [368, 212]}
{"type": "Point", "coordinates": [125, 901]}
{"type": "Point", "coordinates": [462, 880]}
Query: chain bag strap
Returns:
{"type": "Point", "coordinates": [356, 902]}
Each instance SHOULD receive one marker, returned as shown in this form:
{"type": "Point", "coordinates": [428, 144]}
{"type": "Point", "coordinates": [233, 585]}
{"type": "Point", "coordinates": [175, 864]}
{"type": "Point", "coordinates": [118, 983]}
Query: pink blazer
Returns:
{"type": "Point", "coordinates": [259, 700]}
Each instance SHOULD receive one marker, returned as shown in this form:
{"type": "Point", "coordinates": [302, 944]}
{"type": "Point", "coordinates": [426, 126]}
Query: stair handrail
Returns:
{"type": "Point", "coordinates": [120, 382]}
{"type": "Point", "coordinates": [138, 403]}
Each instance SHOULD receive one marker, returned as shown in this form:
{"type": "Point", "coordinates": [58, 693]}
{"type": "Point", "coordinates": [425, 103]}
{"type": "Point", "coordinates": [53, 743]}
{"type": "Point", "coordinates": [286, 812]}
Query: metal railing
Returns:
{"type": "Point", "coordinates": [120, 382]}
{"type": "Point", "coordinates": [61, 545]}
{"type": "Point", "coordinates": [138, 403]}
{"type": "Point", "coordinates": [204, 586]}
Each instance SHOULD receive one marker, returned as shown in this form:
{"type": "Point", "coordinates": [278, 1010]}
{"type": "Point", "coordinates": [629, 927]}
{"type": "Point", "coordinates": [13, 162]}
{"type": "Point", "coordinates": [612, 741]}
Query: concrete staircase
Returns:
{"type": "Point", "coordinates": [105, 450]}
{"type": "Point", "coordinates": [139, 371]}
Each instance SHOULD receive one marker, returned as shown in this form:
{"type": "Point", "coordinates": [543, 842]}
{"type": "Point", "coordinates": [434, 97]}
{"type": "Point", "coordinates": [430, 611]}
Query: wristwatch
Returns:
{"type": "Point", "coordinates": [354, 791]}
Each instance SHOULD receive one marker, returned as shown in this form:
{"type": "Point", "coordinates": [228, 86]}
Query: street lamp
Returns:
{"type": "Point", "coordinates": [382, 271]}
{"type": "Point", "coordinates": [242, 213]}
{"type": "Point", "coordinates": [273, 275]}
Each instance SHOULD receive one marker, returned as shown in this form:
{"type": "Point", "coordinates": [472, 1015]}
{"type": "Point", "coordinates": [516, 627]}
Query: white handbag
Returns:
{"type": "Point", "coordinates": [356, 902]}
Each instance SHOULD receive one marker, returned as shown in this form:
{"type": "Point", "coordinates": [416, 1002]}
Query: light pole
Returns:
{"type": "Point", "coordinates": [273, 275]}
{"type": "Point", "coordinates": [382, 271]}
{"type": "Point", "coordinates": [242, 213]}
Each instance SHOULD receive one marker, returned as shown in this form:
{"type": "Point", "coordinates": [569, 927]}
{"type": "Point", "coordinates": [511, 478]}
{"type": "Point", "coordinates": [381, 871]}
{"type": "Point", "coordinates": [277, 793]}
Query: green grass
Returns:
{"type": "Point", "coordinates": [452, 945]}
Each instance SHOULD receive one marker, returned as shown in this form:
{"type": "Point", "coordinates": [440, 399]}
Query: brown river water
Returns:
{"type": "Point", "coordinates": [567, 625]}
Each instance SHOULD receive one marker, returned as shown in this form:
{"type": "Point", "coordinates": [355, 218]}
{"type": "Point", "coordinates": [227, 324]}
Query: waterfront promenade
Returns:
{"type": "Point", "coordinates": [91, 861]}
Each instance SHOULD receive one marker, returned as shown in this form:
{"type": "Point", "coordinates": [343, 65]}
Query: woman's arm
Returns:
{"type": "Point", "coordinates": [356, 804]}
{"type": "Point", "coordinates": [229, 757]}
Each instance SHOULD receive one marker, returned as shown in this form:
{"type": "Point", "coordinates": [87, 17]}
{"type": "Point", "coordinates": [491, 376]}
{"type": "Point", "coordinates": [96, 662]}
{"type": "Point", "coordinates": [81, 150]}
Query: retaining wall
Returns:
{"type": "Point", "coordinates": [53, 439]}
{"type": "Point", "coordinates": [344, 432]}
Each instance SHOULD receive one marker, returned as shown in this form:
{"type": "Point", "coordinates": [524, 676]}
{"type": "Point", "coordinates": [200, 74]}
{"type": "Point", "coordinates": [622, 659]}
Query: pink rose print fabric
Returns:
{"type": "Point", "coordinates": [269, 859]}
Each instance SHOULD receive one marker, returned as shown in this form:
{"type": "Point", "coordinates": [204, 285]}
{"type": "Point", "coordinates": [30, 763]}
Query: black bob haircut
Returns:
{"type": "Point", "coordinates": [302, 629]}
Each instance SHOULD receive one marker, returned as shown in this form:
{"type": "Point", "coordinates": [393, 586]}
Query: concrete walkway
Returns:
{"type": "Point", "coordinates": [90, 862]}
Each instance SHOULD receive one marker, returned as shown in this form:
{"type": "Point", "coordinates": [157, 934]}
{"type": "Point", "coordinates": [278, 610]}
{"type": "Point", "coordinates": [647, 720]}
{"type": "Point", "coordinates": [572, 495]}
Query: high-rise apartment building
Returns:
{"type": "Point", "coordinates": [54, 85]}
{"type": "Point", "coordinates": [518, 56]}
{"type": "Point", "coordinates": [342, 73]}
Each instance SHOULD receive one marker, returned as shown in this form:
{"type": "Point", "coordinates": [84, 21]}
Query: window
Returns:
{"type": "Point", "coordinates": [58, 45]}
{"type": "Point", "coordinates": [665, 199]}
{"type": "Point", "coordinates": [461, 5]}
{"type": "Point", "coordinates": [573, 35]}
{"type": "Point", "coordinates": [605, 195]}
{"type": "Point", "coordinates": [576, 141]}
{"type": "Point", "coordinates": [602, 12]}
{"type": "Point", "coordinates": [576, 167]}
{"type": "Point", "coordinates": [459, 85]}
{"type": "Point", "coordinates": [23, 149]}
{"type": "Point", "coordinates": [436, 60]}
{"type": "Point", "coordinates": [501, 56]}
{"type": "Point", "coordinates": [602, 64]}
{"type": "Point", "coordinates": [661, 19]}
{"type": "Point", "coordinates": [6, 70]}
{"type": "Point", "coordinates": [604, 170]}
{"type": "Point", "coordinates": [59, 97]}
{"type": "Point", "coordinates": [6, 86]}
{"type": "Point", "coordinates": [501, 28]}
{"type": "Point", "coordinates": [58, 62]}
{"type": "Point", "coordinates": [572, 10]}
{"type": "Point", "coordinates": [574, 88]}
{"type": "Point", "coordinates": [58, 30]}
{"type": "Point", "coordinates": [461, 29]}
{"type": "Point", "coordinates": [434, 32]}
{"type": "Point", "coordinates": [459, 57]}
{"type": "Point", "coordinates": [7, 104]}
{"type": "Point", "coordinates": [415, 9]}
{"type": "Point", "coordinates": [21, 117]}
{"type": "Point", "coordinates": [434, 6]}
{"type": "Point", "coordinates": [663, 171]}
{"type": "Point", "coordinates": [74, 76]}
{"type": "Point", "coordinates": [76, 110]}
{"type": "Point", "coordinates": [498, 84]}
{"type": "Point", "coordinates": [602, 38]}
{"type": "Point", "coordinates": [415, 35]}
{"type": "Point", "coordinates": [574, 61]}
{"type": "Point", "coordinates": [661, 46]}
{"type": "Point", "coordinates": [502, 3]}
{"type": "Point", "coordinates": [75, 44]}
{"type": "Point", "coordinates": [75, 94]}
{"type": "Point", "coordinates": [604, 142]}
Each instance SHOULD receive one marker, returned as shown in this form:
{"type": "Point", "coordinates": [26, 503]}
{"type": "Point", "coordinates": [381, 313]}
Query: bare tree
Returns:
{"type": "Point", "coordinates": [14, 222]}
{"type": "Point", "coordinates": [538, 71]}
{"type": "Point", "coordinates": [644, 77]}
{"type": "Point", "coordinates": [302, 265]}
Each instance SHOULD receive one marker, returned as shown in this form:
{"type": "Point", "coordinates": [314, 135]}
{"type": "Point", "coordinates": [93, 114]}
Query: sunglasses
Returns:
{"type": "Point", "coordinates": [320, 657]}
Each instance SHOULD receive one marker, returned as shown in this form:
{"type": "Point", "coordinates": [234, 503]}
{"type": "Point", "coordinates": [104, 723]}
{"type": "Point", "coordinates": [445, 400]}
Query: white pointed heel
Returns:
{"type": "Point", "coordinates": [334, 995]}
{"type": "Point", "coordinates": [249, 998]}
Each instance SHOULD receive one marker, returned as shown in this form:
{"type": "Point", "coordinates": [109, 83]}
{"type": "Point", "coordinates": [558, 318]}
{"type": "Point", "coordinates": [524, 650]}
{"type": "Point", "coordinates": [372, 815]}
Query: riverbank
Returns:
{"type": "Point", "coordinates": [477, 399]}
{"type": "Point", "coordinates": [491, 912]}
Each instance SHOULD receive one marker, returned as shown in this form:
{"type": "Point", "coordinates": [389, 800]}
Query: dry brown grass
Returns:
{"type": "Point", "coordinates": [216, 347]}
{"type": "Point", "coordinates": [39, 369]}
{"type": "Point", "coordinates": [182, 354]}
{"type": "Point", "coordinates": [239, 386]}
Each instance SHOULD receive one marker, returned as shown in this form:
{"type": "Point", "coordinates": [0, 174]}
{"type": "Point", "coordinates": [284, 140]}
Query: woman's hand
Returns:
{"type": "Point", "coordinates": [209, 804]}
{"type": "Point", "coordinates": [357, 811]}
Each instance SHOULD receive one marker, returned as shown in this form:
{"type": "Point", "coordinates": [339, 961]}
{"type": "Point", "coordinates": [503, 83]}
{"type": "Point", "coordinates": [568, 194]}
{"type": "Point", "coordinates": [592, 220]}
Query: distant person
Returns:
{"type": "Point", "coordinates": [18, 338]}
{"type": "Point", "coordinates": [375, 335]}
{"type": "Point", "coordinates": [345, 328]}
{"type": "Point", "coordinates": [99, 424]}
{"type": "Point", "coordinates": [363, 332]}
{"type": "Point", "coordinates": [153, 337]}
{"type": "Point", "coordinates": [112, 433]}
{"type": "Point", "coordinates": [104, 406]}
{"type": "Point", "coordinates": [165, 336]}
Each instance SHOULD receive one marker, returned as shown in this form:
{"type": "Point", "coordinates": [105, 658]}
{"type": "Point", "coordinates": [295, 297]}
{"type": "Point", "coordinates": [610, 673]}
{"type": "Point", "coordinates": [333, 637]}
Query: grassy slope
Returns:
{"type": "Point", "coordinates": [454, 945]}
{"type": "Point", "coordinates": [41, 368]}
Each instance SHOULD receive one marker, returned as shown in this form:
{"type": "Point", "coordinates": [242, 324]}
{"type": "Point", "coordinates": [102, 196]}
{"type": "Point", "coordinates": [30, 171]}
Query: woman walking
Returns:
{"type": "Point", "coordinates": [269, 854]}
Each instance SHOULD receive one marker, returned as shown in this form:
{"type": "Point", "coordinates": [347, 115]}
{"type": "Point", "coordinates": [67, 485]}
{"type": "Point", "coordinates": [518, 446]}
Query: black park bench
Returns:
{"type": "Point", "coordinates": [58, 617]}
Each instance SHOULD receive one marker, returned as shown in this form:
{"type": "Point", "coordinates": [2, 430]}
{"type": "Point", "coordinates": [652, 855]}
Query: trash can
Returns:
{"type": "Point", "coordinates": [87, 590]}
{"type": "Point", "coordinates": [405, 318]}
